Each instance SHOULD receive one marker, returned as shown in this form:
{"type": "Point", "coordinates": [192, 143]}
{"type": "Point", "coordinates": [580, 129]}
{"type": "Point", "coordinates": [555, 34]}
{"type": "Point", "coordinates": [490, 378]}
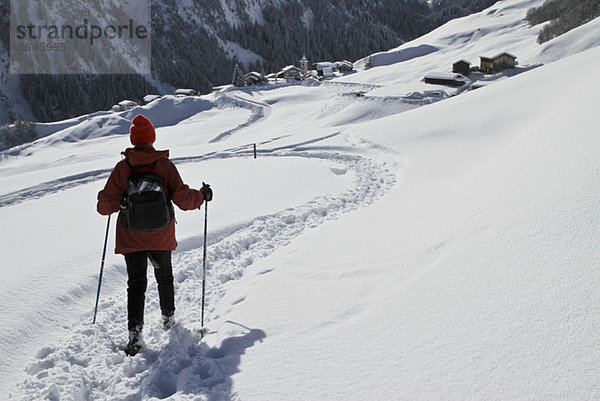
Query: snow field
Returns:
{"type": "Point", "coordinates": [477, 271]}
{"type": "Point", "coordinates": [233, 247]}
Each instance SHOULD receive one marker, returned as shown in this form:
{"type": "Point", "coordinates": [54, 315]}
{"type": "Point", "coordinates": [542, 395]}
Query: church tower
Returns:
{"type": "Point", "coordinates": [304, 65]}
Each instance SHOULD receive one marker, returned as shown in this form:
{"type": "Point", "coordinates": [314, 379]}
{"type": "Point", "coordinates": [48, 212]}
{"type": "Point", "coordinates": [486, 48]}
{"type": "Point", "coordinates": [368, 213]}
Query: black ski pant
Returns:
{"type": "Point", "coordinates": [137, 265]}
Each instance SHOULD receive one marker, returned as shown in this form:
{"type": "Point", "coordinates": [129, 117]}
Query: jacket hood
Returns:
{"type": "Point", "coordinates": [148, 155]}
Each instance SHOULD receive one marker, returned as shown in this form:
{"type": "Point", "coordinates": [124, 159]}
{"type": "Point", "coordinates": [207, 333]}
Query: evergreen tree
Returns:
{"type": "Point", "coordinates": [238, 77]}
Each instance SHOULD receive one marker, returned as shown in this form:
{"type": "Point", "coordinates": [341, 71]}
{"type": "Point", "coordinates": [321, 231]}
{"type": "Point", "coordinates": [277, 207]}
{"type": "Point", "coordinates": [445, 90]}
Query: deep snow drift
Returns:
{"type": "Point", "coordinates": [405, 244]}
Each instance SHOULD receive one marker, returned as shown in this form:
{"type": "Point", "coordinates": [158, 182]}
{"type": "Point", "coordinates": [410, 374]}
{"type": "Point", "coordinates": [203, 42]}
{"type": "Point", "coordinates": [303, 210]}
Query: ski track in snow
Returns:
{"type": "Point", "coordinates": [177, 362]}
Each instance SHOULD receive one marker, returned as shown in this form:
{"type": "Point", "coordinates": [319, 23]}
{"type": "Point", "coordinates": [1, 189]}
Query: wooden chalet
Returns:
{"type": "Point", "coordinates": [499, 62]}
{"type": "Point", "coordinates": [254, 78]}
{"type": "Point", "coordinates": [289, 72]}
{"type": "Point", "coordinates": [325, 69]}
{"type": "Point", "coordinates": [125, 105]}
{"type": "Point", "coordinates": [461, 67]}
{"type": "Point", "coordinates": [185, 92]}
{"type": "Point", "coordinates": [443, 78]}
{"type": "Point", "coordinates": [150, 98]}
{"type": "Point", "coordinates": [344, 66]}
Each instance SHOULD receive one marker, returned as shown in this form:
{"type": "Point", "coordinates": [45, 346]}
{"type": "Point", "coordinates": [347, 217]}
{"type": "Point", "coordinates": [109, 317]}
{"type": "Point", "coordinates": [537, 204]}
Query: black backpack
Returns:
{"type": "Point", "coordinates": [146, 205]}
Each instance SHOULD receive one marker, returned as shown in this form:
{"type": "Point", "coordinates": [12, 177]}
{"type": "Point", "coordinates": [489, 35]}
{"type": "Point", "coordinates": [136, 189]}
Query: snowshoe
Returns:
{"type": "Point", "coordinates": [168, 322]}
{"type": "Point", "coordinates": [135, 342]}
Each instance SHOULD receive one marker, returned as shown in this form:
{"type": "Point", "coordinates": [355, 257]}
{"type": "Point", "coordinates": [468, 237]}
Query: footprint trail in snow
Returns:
{"type": "Point", "coordinates": [89, 364]}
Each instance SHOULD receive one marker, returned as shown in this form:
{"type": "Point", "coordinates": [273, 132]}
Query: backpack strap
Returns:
{"type": "Point", "coordinates": [132, 167]}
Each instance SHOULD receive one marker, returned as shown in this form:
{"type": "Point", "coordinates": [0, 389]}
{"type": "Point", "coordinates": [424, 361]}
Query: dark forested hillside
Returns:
{"type": "Point", "coordinates": [187, 45]}
{"type": "Point", "coordinates": [563, 15]}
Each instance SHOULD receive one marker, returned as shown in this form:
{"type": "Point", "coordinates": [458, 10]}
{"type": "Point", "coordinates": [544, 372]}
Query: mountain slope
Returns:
{"type": "Point", "coordinates": [380, 247]}
{"type": "Point", "coordinates": [196, 45]}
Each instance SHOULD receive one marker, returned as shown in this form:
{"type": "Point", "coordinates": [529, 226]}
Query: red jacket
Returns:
{"type": "Point", "coordinates": [109, 200]}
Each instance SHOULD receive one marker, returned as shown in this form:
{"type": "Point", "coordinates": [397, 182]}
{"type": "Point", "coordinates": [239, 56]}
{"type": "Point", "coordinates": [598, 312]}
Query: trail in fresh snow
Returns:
{"type": "Point", "coordinates": [66, 369]}
{"type": "Point", "coordinates": [259, 111]}
{"type": "Point", "coordinates": [177, 362]}
{"type": "Point", "coordinates": [65, 183]}
{"type": "Point", "coordinates": [51, 187]}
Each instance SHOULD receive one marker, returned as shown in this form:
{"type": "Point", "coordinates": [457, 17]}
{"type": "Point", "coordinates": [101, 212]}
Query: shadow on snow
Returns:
{"type": "Point", "coordinates": [187, 366]}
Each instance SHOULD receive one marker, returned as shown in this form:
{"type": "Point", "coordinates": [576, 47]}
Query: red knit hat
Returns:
{"type": "Point", "coordinates": [141, 131]}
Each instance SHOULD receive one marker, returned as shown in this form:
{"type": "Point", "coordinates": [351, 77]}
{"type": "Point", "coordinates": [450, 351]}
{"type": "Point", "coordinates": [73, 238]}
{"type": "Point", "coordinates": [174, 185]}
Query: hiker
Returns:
{"type": "Point", "coordinates": [139, 236]}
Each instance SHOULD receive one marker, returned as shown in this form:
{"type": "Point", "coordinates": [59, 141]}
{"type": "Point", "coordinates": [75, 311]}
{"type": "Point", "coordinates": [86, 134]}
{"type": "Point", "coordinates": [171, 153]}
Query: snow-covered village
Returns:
{"type": "Point", "coordinates": [418, 223]}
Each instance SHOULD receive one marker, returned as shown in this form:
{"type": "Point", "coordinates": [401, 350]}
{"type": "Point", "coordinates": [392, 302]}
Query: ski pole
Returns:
{"type": "Point", "coordinates": [204, 264]}
{"type": "Point", "coordinates": [101, 269]}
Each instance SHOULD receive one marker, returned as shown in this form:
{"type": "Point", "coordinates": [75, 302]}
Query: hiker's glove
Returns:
{"type": "Point", "coordinates": [207, 193]}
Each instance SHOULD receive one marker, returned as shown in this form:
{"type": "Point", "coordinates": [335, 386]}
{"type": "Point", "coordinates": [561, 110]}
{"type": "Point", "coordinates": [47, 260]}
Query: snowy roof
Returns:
{"type": "Point", "coordinates": [149, 98]}
{"type": "Point", "coordinates": [344, 62]}
{"type": "Point", "coordinates": [304, 59]}
{"type": "Point", "coordinates": [220, 87]}
{"type": "Point", "coordinates": [127, 103]}
{"type": "Point", "coordinates": [184, 91]}
{"type": "Point", "coordinates": [498, 55]}
{"type": "Point", "coordinates": [445, 76]}
{"type": "Point", "coordinates": [462, 60]}
{"type": "Point", "coordinates": [325, 64]}
{"type": "Point", "coordinates": [289, 68]}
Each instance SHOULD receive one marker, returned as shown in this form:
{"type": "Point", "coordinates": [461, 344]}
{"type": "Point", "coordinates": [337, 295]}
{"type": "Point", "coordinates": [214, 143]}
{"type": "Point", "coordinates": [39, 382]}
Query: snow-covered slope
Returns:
{"type": "Point", "coordinates": [474, 278]}
{"type": "Point", "coordinates": [384, 246]}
